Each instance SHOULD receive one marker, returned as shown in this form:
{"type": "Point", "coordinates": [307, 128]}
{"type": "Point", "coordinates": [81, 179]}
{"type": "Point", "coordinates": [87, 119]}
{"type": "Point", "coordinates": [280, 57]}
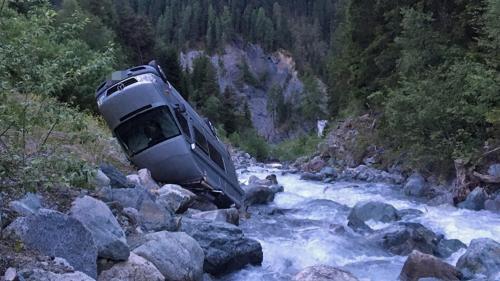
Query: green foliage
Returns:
{"type": "Point", "coordinates": [443, 115]}
{"type": "Point", "coordinates": [292, 149]}
{"type": "Point", "coordinates": [40, 56]}
{"type": "Point", "coordinates": [252, 143]}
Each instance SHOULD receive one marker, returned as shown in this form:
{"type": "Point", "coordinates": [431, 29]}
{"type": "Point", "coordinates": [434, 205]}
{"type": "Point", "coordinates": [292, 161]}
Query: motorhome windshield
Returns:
{"type": "Point", "coordinates": [147, 129]}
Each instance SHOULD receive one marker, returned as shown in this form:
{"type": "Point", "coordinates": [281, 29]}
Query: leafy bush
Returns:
{"type": "Point", "coordinates": [252, 143]}
{"type": "Point", "coordinates": [292, 149]}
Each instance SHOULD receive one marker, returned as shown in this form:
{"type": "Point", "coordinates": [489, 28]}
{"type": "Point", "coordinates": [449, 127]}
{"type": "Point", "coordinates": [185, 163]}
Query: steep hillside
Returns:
{"type": "Point", "coordinates": [253, 75]}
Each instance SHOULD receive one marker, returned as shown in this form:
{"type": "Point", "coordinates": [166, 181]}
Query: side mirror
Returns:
{"type": "Point", "coordinates": [180, 108]}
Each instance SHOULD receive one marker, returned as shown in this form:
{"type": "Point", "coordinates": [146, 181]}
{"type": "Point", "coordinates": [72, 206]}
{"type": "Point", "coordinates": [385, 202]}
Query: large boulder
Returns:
{"type": "Point", "coordinates": [416, 185]}
{"type": "Point", "coordinates": [105, 229]}
{"type": "Point", "coordinates": [315, 165]}
{"type": "Point", "coordinates": [323, 273]}
{"type": "Point", "coordinates": [154, 217]}
{"type": "Point", "coordinates": [101, 180]}
{"type": "Point", "coordinates": [254, 180]}
{"type": "Point", "coordinates": [257, 194]}
{"type": "Point", "coordinates": [446, 247]}
{"type": "Point", "coordinates": [176, 255]}
{"type": "Point", "coordinates": [475, 200]}
{"type": "Point", "coordinates": [328, 172]}
{"type": "Point", "coordinates": [481, 258]}
{"type": "Point", "coordinates": [371, 210]}
{"type": "Point", "coordinates": [404, 237]}
{"type": "Point", "coordinates": [226, 248]}
{"type": "Point", "coordinates": [419, 265]}
{"type": "Point", "coordinates": [57, 235]}
{"type": "Point", "coordinates": [126, 197]}
{"type": "Point", "coordinates": [42, 275]}
{"type": "Point", "coordinates": [175, 197]}
{"type": "Point", "coordinates": [117, 178]}
{"type": "Point", "coordinates": [231, 215]}
{"type": "Point", "coordinates": [312, 176]}
{"type": "Point", "coordinates": [136, 268]}
{"type": "Point", "coordinates": [28, 205]}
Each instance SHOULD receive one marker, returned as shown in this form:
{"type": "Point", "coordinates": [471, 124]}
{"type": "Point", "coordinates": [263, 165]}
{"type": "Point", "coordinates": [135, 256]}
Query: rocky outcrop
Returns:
{"type": "Point", "coordinates": [482, 258]}
{"type": "Point", "coordinates": [419, 265]}
{"type": "Point", "coordinates": [136, 268]}
{"type": "Point", "coordinates": [100, 221]}
{"type": "Point", "coordinates": [153, 217]}
{"type": "Point", "coordinates": [176, 255]}
{"type": "Point", "coordinates": [42, 275]}
{"type": "Point", "coordinates": [57, 235]}
{"type": "Point", "coordinates": [226, 248]}
{"type": "Point", "coordinates": [323, 273]}
{"type": "Point", "coordinates": [175, 198]}
{"type": "Point", "coordinates": [474, 200]}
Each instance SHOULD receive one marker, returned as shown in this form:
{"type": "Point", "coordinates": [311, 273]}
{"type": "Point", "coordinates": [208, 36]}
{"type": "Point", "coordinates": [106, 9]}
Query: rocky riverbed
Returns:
{"type": "Point", "coordinates": [356, 224]}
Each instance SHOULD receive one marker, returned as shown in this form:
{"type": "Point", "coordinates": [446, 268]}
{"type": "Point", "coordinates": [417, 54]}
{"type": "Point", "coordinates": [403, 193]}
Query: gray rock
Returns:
{"type": "Point", "coordinates": [28, 205]}
{"type": "Point", "coordinates": [442, 199]}
{"type": "Point", "coordinates": [176, 255]}
{"type": "Point", "coordinates": [273, 178]}
{"type": "Point", "coordinates": [175, 198]}
{"type": "Point", "coordinates": [312, 176]}
{"type": "Point", "coordinates": [370, 174]}
{"type": "Point", "coordinates": [329, 172]}
{"type": "Point", "coordinates": [153, 217]}
{"type": "Point", "coordinates": [203, 204]}
{"type": "Point", "coordinates": [475, 200]}
{"type": "Point", "coordinates": [416, 185]}
{"type": "Point", "coordinates": [226, 248]}
{"type": "Point", "coordinates": [404, 237]}
{"type": "Point", "coordinates": [231, 215]}
{"type": "Point", "coordinates": [101, 180]}
{"type": "Point", "coordinates": [257, 194]}
{"type": "Point", "coordinates": [105, 229]}
{"type": "Point", "coordinates": [10, 274]}
{"type": "Point", "coordinates": [57, 235]}
{"type": "Point", "coordinates": [42, 275]}
{"type": "Point", "coordinates": [147, 180]}
{"type": "Point", "coordinates": [117, 178]}
{"type": "Point", "coordinates": [374, 210]}
{"type": "Point", "coordinates": [207, 277]}
{"type": "Point", "coordinates": [419, 265]}
{"type": "Point", "coordinates": [277, 188]}
{"type": "Point", "coordinates": [494, 170]}
{"type": "Point", "coordinates": [481, 258]}
{"type": "Point", "coordinates": [446, 247]}
{"type": "Point", "coordinates": [132, 214]}
{"type": "Point", "coordinates": [136, 268]}
{"type": "Point", "coordinates": [126, 197]}
{"type": "Point", "coordinates": [493, 204]}
{"type": "Point", "coordinates": [323, 273]}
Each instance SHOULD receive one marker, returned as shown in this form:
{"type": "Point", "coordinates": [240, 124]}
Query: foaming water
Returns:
{"type": "Point", "coordinates": [311, 228]}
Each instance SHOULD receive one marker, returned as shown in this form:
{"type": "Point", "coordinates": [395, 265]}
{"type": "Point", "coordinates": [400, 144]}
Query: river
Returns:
{"type": "Point", "coordinates": [307, 225]}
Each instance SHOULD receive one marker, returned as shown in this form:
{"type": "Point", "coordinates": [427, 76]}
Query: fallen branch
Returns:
{"type": "Point", "coordinates": [487, 178]}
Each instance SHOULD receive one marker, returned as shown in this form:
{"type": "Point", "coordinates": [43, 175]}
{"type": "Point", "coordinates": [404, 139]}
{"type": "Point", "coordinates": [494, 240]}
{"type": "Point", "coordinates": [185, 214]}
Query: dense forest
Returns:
{"type": "Point", "coordinates": [427, 70]}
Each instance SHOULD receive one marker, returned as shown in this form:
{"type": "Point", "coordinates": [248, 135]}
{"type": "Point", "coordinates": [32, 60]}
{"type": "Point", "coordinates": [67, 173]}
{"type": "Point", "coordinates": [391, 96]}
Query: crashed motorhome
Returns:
{"type": "Point", "coordinates": [160, 131]}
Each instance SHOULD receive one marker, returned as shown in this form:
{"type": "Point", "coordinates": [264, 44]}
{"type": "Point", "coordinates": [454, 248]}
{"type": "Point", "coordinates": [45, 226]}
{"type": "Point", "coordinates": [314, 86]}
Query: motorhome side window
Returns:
{"type": "Point", "coordinates": [184, 124]}
{"type": "Point", "coordinates": [215, 156]}
{"type": "Point", "coordinates": [200, 140]}
{"type": "Point", "coordinates": [147, 129]}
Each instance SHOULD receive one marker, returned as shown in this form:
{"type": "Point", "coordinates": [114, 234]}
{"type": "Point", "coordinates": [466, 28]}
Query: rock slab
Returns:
{"type": "Point", "coordinates": [57, 235]}
{"type": "Point", "coordinates": [136, 268]}
{"type": "Point", "coordinates": [108, 235]}
{"type": "Point", "coordinates": [176, 255]}
{"type": "Point", "coordinates": [481, 258]}
{"type": "Point", "coordinates": [419, 265]}
{"type": "Point", "coordinates": [226, 248]}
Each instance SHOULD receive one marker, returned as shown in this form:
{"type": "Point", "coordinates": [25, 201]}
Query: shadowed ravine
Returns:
{"type": "Point", "coordinates": [307, 225]}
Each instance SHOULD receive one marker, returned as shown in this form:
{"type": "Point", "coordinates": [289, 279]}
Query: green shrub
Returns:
{"type": "Point", "coordinates": [252, 143]}
{"type": "Point", "coordinates": [292, 149]}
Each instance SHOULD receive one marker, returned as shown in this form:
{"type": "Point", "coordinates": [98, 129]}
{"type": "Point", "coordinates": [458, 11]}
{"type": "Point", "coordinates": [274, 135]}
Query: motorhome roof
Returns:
{"type": "Point", "coordinates": [118, 76]}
